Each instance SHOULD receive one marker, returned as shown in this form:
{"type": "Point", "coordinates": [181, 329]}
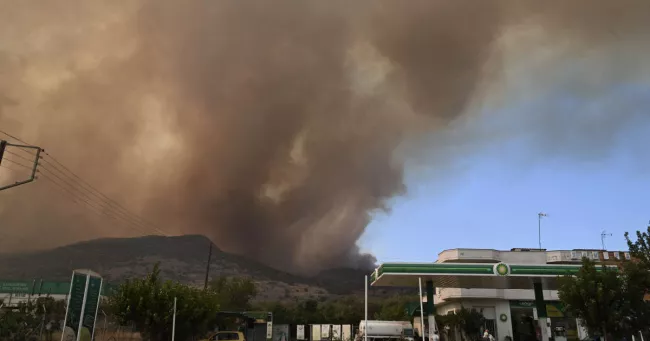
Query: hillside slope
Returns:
{"type": "Point", "coordinates": [181, 258]}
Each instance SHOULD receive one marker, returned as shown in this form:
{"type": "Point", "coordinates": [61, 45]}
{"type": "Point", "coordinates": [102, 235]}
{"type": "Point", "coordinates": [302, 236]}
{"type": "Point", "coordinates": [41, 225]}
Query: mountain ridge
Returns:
{"type": "Point", "coordinates": [181, 258]}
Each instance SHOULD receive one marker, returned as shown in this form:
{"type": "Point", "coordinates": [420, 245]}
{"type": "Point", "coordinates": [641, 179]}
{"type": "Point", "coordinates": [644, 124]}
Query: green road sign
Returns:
{"type": "Point", "coordinates": [14, 287]}
{"type": "Point", "coordinates": [75, 304]}
{"type": "Point", "coordinates": [92, 303]}
{"type": "Point", "coordinates": [83, 302]}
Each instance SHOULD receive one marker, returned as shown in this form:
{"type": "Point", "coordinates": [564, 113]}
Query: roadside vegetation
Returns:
{"type": "Point", "coordinates": [610, 302]}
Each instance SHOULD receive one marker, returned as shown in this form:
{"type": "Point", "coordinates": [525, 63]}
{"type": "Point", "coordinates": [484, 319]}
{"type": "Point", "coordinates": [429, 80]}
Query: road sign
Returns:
{"type": "Point", "coordinates": [83, 301]}
{"type": "Point", "coordinates": [92, 303]}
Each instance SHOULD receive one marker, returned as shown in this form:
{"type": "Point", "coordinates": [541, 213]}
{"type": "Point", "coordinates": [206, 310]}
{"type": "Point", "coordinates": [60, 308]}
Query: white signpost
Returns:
{"type": "Point", "coordinates": [346, 332]}
{"type": "Point", "coordinates": [325, 331]}
{"type": "Point", "coordinates": [82, 306]}
{"type": "Point", "coordinates": [316, 332]}
{"type": "Point", "coordinates": [336, 332]}
{"type": "Point", "coordinates": [300, 332]}
{"type": "Point", "coordinates": [269, 330]}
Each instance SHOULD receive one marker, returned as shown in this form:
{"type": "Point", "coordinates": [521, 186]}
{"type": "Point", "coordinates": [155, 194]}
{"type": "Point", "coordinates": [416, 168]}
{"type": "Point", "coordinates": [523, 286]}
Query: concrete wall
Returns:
{"type": "Point", "coordinates": [447, 294]}
{"type": "Point", "coordinates": [504, 327]}
{"type": "Point", "coordinates": [445, 309]}
{"type": "Point", "coordinates": [469, 255]}
{"type": "Point", "coordinates": [528, 257]}
{"type": "Point", "coordinates": [523, 257]}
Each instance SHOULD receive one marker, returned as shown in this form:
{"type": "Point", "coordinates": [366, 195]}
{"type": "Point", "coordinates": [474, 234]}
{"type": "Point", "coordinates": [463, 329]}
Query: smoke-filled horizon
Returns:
{"type": "Point", "coordinates": [278, 128]}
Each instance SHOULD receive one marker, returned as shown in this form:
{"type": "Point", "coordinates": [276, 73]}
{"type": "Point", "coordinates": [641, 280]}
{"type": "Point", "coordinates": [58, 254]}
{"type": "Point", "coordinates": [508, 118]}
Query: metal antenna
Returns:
{"type": "Point", "coordinates": [604, 235]}
{"type": "Point", "coordinates": [539, 227]}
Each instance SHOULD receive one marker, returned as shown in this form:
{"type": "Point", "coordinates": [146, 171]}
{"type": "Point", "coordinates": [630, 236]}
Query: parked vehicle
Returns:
{"type": "Point", "coordinates": [386, 330]}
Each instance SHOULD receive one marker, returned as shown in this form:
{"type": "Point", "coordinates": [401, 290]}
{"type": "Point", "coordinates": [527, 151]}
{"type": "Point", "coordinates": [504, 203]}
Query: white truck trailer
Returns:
{"type": "Point", "coordinates": [386, 330]}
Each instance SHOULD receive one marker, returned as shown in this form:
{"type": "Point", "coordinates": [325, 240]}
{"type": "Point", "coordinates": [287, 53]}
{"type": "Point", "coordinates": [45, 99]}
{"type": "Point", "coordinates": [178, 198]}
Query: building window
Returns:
{"type": "Point", "coordinates": [617, 255]}
{"type": "Point", "coordinates": [574, 255]}
{"type": "Point", "coordinates": [595, 255]}
{"type": "Point", "coordinates": [627, 255]}
{"type": "Point", "coordinates": [584, 254]}
{"type": "Point", "coordinates": [605, 255]}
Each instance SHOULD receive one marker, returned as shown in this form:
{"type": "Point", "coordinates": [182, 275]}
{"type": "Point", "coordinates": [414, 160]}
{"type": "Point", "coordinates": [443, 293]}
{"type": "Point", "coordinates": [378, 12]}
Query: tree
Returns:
{"type": "Point", "coordinates": [640, 248]}
{"type": "Point", "coordinates": [235, 294]}
{"type": "Point", "coordinates": [450, 323]}
{"type": "Point", "coordinates": [636, 281]}
{"type": "Point", "coordinates": [393, 309]}
{"type": "Point", "coordinates": [54, 309]}
{"type": "Point", "coordinates": [451, 320]}
{"type": "Point", "coordinates": [18, 323]}
{"type": "Point", "coordinates": [342, 310]}
{"type": "Point", "coordinates": [595, 297]}
{"type": "Point", "coordinates": [637, 274]}
{"type": "Point", "coordinates": [282, 313]}
{"type": "Point", "coordinates": [470, 321]}
{"type": "Point", "coordinates": [24, 321]}
{"type": "Point", "coordinates": [148, 304]}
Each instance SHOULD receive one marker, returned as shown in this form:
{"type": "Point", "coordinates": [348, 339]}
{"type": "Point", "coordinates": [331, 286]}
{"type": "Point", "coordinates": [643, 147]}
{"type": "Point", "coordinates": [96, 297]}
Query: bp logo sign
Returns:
{"type": "Point", "coordinates": [501, 269]}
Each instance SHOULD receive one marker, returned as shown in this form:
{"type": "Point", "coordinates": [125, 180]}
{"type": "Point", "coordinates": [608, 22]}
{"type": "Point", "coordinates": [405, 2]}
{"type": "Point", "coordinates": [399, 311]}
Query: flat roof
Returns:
{"type": "Point", "coordinates": [472, 275]}
{"type": "Point", "coordinates": [528, 250]}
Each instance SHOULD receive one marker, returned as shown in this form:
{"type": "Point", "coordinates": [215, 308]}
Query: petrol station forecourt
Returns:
{"type": "Point", "coordinates": [538, 277]}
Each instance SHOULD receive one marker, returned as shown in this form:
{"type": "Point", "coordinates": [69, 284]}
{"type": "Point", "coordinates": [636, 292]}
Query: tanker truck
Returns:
{"type": "Point", "coordinates": [386, 330]}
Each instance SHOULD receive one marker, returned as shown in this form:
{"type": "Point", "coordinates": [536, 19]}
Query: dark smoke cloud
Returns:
{"type": "Point", "coordinates": [270, 126]}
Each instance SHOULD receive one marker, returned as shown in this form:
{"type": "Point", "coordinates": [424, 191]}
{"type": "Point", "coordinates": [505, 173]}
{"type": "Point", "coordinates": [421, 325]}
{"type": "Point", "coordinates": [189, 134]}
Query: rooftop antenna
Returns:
{"type": "Point", "coordinates": [604, 235]}
{"type": "Point", "coordinates": [540, 215]}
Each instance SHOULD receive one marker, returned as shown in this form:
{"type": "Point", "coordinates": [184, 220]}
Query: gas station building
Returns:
{"type": "Point", "coordinates": [516, 290]}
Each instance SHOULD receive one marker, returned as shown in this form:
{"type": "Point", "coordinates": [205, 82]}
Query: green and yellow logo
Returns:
{"type": "Point", "coordinates": [501, 269]}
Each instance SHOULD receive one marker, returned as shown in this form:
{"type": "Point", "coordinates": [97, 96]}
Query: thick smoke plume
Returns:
{"type": "Point", "coordinates": [271, 126]}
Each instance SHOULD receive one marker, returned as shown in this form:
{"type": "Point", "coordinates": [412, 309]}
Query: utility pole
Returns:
{"type": "Point", "coordinates": [3, 146]}
{"type": "Point", "coordinates": [540, 215]}
{"type": "Point", "coordinates": [207, 268]}
{"type": "Point", "coordinates": [604, 235]}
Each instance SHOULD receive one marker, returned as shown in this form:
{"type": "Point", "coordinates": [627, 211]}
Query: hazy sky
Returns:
{"type": "Point", "coordinates": [492, 201]}
{"type": "Point", "coordinates": [276, 129]}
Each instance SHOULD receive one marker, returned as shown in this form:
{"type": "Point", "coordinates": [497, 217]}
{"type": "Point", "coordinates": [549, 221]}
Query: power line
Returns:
{"type": "Point", "coordinates": [108, 202]}
{"type": "Point", "coordinates": [16, 162]}
{"type": "Point", "coordinates": [31, 171]}
{"type": "Point", "coordinates": [98, 194]}
{"type": "Point", "coordinates": [28, 150]}
{"type": "Point", "coordinates": [104, 206]}
{"type": "Point", "coordinates": [88, 204]}
{"type": "Point", "coordinates": [81, 201]}
{"type": "Point", "coordinates": [3, 148]}
{"type": "Point", "coordinates": [12, 169]}
{"type": "Point", "coordinates": [19, 156]}
{"type": "Point", "coordinates": [13, 137]}
{"type": "Point", "coordinates": [73, 190]}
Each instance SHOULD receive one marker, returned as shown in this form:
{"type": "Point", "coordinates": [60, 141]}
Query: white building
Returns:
{"type": "Point", "coordinates": [512, 312]}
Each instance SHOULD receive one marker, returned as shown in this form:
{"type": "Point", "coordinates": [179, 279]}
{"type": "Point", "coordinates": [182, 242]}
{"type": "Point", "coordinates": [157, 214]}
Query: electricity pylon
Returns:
{"type": "Point", "coordinates": [3, 146]}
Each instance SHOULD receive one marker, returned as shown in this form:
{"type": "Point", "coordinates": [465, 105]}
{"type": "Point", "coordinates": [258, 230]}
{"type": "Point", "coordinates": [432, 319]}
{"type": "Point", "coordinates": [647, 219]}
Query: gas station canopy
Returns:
{"type": "Point", "coordinates": [472, 275]}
